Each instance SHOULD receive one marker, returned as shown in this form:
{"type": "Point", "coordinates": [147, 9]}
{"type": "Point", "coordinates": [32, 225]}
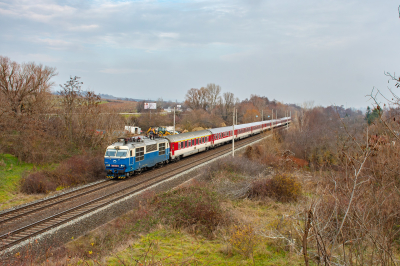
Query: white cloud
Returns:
{"type": "Point", "coordinates": [172, 35]}
{"type": "Point", "coordinates": [84, 27]}
{"type": "Point", "coordinates": [57, 44]}
{"type": "Point", "coordinates": [44, 58]}
{"type": "Point", "coordinates": [122, 70]}
{"type": "Point", "coordinates": [40, 10]}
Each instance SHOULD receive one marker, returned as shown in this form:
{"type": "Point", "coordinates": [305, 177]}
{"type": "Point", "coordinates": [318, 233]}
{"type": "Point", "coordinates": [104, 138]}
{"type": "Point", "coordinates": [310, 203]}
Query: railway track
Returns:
{"type": "Point", "coordinates": [148, 179]}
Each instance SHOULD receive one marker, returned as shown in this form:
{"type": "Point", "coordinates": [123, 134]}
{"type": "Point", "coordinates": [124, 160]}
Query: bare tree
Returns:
{"type": "Point", "coordinates": [229, 102]}
{"type": "Point", "coordinates": [259, 102]}
{"type": "Point", "coordinates": [213, 94]}
{"type": "Point", "coordinates": [79, 111]}
{"type": "Point", "coordinates": [23, 86]}
{"type": "Point", "coordinates": [192, 98]}
{"type": "Point", "coordinates": [197, 98]}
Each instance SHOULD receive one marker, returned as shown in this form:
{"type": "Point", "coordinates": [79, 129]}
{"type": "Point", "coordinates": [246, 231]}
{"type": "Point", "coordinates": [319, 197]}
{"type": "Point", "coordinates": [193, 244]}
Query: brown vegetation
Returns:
{"type": "Point", "coordinates": [76, 170]}
{"type": "Point", "coordinates": [42, 128]}
{"type": "Point", "coordinates": [196, 207]}
{"type": "Point", "coordinates": [281, 187]}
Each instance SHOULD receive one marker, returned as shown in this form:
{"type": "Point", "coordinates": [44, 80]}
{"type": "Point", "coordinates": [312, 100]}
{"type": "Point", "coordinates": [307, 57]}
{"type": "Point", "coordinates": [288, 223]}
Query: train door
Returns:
{"type": "Point", "coordinates": [131, 158]}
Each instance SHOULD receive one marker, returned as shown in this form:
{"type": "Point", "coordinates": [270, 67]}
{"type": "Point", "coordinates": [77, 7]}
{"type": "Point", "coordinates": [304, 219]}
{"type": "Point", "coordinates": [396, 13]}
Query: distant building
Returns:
{"type": "Point", "coordinates": [133, 130]}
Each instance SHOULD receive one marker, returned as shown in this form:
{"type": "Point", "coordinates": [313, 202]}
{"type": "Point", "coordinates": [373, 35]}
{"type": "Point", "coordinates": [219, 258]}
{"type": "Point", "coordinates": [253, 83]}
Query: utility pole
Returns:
{"type": "Point", "coordinates": [233, 133]}
{"type": "Point", "coordinates": [272, 121]}
{"type": "Point", "coordinates": [173, 133]}
{"type": "Point", "coordinates": [262, 115]}
{"type": "Point", "coordinates": [287, 119]}
{"type": "Point", "coordinates": [236, 117]}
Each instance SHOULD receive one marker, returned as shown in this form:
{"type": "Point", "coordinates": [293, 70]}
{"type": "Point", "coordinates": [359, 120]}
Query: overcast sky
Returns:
{"type": "Point", "coordinates": [329, 52]}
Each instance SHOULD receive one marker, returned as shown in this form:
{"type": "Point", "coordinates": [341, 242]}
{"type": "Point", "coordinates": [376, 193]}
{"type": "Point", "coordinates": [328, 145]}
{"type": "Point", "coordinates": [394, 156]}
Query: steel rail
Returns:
{"type": "Point", "coordinates": [50, 202]}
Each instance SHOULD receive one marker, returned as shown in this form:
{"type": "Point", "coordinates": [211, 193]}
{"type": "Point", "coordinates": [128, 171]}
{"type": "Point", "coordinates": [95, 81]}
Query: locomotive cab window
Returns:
{"type": "Point", "coordinates": [131, 153]}
{"type": "Point", "coordinates": [121, 153]}
{"type": "Point", "coordinates": [111, 153]}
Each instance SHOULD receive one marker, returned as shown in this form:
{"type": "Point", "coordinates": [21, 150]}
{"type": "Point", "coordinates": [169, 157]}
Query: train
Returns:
{"type": "Point", "coordinates": [130, 156]}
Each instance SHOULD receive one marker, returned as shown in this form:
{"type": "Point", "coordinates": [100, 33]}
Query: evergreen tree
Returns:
{"type": "Point", "coordinates": [371, 116]}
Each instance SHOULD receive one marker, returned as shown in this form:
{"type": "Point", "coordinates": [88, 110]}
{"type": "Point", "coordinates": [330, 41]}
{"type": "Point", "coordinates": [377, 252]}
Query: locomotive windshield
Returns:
{"type": "Point", "coordinates": [116, 153]}
{"type": "Point", "coordinates": [121, 153]}
{"type": "Point", "coordinates": [111, 153]}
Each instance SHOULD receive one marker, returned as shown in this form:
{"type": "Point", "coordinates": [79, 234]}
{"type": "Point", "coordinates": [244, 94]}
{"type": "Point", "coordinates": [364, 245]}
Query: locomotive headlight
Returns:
{"type": "Point", "coordinates": [122, 165]}
{"type": "Point", "coordinates": [107, 165]}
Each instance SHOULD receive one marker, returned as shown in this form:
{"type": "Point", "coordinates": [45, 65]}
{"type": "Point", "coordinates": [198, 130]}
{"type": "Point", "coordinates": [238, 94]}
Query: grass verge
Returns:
{"type": "Point", "coordinates": [11, 170]}
{"type": "Point", "coordinates": [171, 247]}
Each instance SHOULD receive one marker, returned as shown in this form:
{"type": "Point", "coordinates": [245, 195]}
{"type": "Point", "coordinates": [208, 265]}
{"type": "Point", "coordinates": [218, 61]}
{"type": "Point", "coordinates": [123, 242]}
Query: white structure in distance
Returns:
{"type": "Point", "coordinates": [150, 106]}
{"type": "Point", "coordinates": [133, 130]}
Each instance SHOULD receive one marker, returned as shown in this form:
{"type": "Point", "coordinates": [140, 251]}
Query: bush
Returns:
{"type": "Point", "coordinates": [39, 182]}
{"type": "Point", "coordinates": [236, 164]}
{"type": "Point", "coordinates": [282, 187]}
{"type": "Point", "coordinates": [267, 153]}
{"type": "Point", "coordinates": [191, 206]}
{"type": "Point", "coordinates": [77, 170]}
{"type": "Point", "coordinates": [243, 238]}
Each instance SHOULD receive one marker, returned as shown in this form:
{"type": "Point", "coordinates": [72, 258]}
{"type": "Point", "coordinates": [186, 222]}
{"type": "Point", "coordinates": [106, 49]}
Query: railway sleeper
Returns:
{"type": "Point", "coordinates": [24, 235]}
{"type": "Point", "coordinates": [11, 239]}
{"type": "Point", "coordinates": [29, 232]}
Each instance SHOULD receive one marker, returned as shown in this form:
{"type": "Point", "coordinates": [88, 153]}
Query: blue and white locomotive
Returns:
{"type": "Point", "coordinates": [132, 155]}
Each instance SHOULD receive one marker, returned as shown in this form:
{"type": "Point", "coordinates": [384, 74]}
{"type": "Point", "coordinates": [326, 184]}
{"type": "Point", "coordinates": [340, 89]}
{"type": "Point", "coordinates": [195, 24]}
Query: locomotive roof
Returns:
{"type": "Point", "coordinates": [188, 135]}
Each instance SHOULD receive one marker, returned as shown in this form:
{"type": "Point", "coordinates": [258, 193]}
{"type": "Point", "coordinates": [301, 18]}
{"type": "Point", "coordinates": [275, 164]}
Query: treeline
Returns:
{"type": "Point", "coordinates": [209, 107]}
{"type": "Point", "coordinates": [39, 127]}
{"type": "Point", "coordinates": [212, 100]}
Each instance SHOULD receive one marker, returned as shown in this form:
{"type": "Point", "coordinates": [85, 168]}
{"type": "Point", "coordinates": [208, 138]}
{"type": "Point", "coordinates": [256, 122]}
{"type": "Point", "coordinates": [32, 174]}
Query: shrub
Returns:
{"type": "Point", "coordinates": [243, 239]}
{"type": "Point", "coordinates": [236, 164]}
{"type": "Point", "coordinates": [76, 170]}
{"type": "Point", "coordinates": [39, 182]}
{"type": "Point", "coordinates": [282, 187]}
{"type": "Point", "coordinates": [191, 206]}
{"type": "Point", "coordinates": [266, 152]}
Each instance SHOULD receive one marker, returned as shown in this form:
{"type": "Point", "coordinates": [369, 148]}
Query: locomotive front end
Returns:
{"type": "Point", "coordinates": [116, 161]}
